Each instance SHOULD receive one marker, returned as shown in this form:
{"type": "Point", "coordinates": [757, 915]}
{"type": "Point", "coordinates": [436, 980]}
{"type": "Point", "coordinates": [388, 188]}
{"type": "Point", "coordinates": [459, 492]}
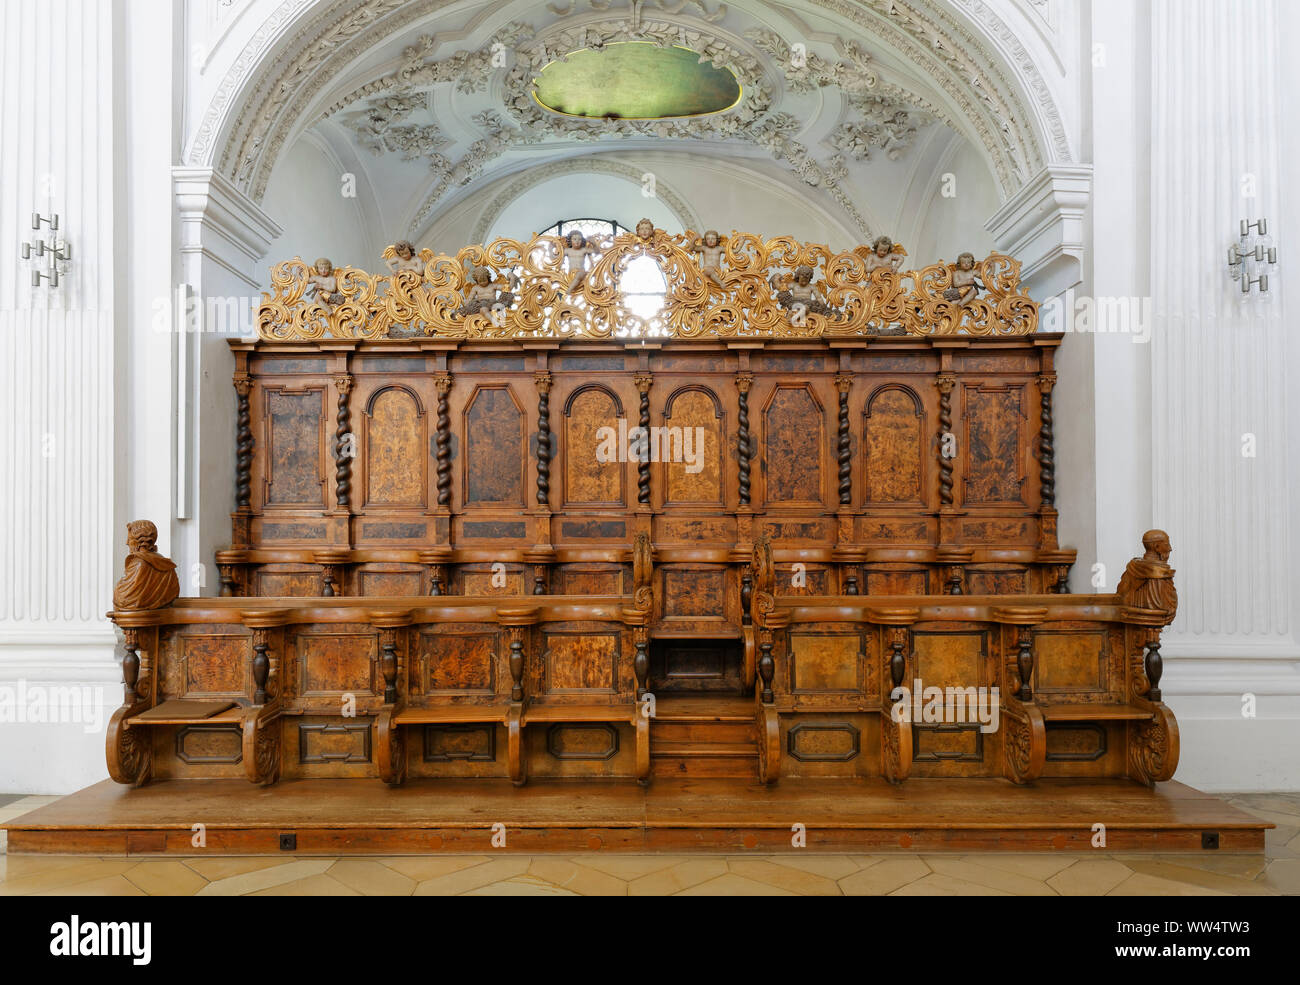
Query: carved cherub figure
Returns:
{"type": "Point", "coordinates": [965, 281]}
{"type": "Point", "coordinates": [149, 581]}
{"type": "Point", "coordinates": [711, 247]}
{"type": "Point", "coordinates": [645, 229]}
{"type": "Point", "coordinates": [576, 250]}
{"type": "Point", "coordinates": [404, 258]}
{"type": "Point", "coordinates": [325, 283]}
{"type": "Point", "coordinates": [486, 293]}
{"type": "Point", "coordinates": [883, 254]}
{"type": "Point", "coordinates": [1148, 581]}
{"type": "Point", "coordinates": [798, 292]}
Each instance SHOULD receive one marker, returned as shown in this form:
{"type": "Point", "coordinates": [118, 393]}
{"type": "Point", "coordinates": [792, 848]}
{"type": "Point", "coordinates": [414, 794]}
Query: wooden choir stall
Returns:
{"type": "Point", "coordinates": [785, 531]}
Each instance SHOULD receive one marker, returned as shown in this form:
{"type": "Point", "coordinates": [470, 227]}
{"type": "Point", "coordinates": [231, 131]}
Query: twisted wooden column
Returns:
{"type": "Point", "coordinates": [443, 441]}
{"type": "Point", "coordinates": [243, 443]}
{"type": "Point", "coordinates": [842, 383]}
{"type": "Point", "coordinates": [1046, 451]}
{"type": "Point", "coordinates": [945, 383]}
{"type": "Point", "coordinates": [342, 432]}
{"type": "Point", "coordinates": [643, 382]}
{"type": "Point", "coordinates": [743, 382]}
{"type": "Point", "coordinates": [543, 382]}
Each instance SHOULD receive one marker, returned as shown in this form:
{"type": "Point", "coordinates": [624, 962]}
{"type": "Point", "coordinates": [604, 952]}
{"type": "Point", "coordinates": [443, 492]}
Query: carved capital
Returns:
{"type": "Point", "coordinates": [443, 383]}
{"type": "Point", "coordinates": [543, 382]}
{"type": "Point", "coordinates": [643, 382]}
{"type": "Point", "coordinates": [743, 382]}
{"type": "Point", "coordinates": [945, 382]}
{"type": "Point", "coordinates": [343, 384]}
{"type": "Point", "coordinates": [843, 382]}
{"type": "Point", "coordinates": [243, 385]}
{"type": "Point", "coordinates": [1046, 381]}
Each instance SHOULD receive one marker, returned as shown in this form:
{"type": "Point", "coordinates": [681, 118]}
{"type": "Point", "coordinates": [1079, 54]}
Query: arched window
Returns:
{"type": "Point", "coordinates": [643, 285]}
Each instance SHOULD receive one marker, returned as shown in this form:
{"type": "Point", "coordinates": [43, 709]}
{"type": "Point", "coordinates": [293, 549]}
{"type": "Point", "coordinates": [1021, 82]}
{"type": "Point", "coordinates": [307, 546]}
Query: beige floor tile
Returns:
{"type": "Point", "coordinates": [884, 877]}
{"type": "Point", "coordinates": [1278, 803]}
{"type": "Point", "coordinates": [1282, 842]}
{"type": "Point", "coordinates": [681, 876]}
{"type": "Point", "coordinates": [1141, 884]}
{"type": "Point", "coordinates": [731, 884]}
{"type": "Point", "coordinates": [223, 867]}
{"type": "Point", "coordinates": [1090, 877]}
{"type": "Point", "coordinates": [1237, 885]}
{"type": "Point", "coordinates": [83, 870]}
{"type": "Point", "coordinates": [985, 875]}
{"type": "Point", "coordinates": [1283, 874]}
{"type": "Point", "coordinates": [524, 885]}
{"type": "Point", "coordinates": [830, 866]}
{"type": "Point", "coordinates": [936, 884]}
{"type": "Point", "coordinates": [1273, 817]}
{"type": "Point", "coordinates": [862, 861]}
{"type": "Point", "coordinates": [371, 878]}
{"type": "Point", "coordinates": [629, 867]}
{"type": "Point", "coordinates": [107, 886]}
{"type": "Point", "coordinates": [784, 877]}
{"type": "Point", "coordinates": [165, 877]}
{"type": "Point", "coordinates": [421, 868]}
{"type": "Point", "coordinates": [317, 885]}
{"type": "Point", "coordinates": [484, 874]}
{"type": "Point", "coordinates": [248, 883]}
{"type": "Point", "coordinates": [20, 866]}
{"type": "Point", "coordinates": [568, 874]}
{"type": "Point", "coordinates": [1041, 867]}
{"type": "Point", "coordinates": [1243, 866]}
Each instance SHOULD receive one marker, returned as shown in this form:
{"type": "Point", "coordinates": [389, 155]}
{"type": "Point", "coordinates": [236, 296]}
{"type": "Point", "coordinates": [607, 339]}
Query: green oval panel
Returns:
{"type": "Point", "coordinates": [633, 80]}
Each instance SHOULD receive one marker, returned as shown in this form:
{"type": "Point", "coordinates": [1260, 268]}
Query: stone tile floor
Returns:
{"type": "Point", "coordinates": [1276, 872]}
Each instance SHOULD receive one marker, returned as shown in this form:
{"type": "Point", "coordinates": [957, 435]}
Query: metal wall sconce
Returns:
{"type": "Point", "coordinates": [58, 251]}
{"type": "Point", "coordinates": [1252, 257]}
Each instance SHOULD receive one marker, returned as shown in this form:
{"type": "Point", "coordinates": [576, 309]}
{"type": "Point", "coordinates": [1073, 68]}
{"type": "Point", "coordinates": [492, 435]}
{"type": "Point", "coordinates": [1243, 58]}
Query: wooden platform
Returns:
{"type": "Point", "coordinates": [671, 815]}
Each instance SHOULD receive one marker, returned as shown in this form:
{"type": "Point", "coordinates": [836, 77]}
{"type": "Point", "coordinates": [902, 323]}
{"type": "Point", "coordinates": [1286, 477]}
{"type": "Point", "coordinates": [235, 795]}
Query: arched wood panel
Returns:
{"type": "Point", "coordinates": [495, 448]}
{"type": "Point", "coordinates": [894, 438]}
{"type": "Point", "coordinates": [591, 419]}
{"type": "Point", "coordinates": [691, 448]}
{"type": "Point", "coordinates": [397, 459]}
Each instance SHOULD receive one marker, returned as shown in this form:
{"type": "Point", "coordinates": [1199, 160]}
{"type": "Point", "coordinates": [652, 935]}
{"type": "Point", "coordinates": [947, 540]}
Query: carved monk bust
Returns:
{"type": "Point", "coordinates": [150, 580]}
{"type": "Point", "coordinates": [1148, 581]}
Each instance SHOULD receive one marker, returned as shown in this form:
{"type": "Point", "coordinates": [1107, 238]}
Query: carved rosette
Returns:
{"type": "Point", "coordinates": [743, 383]}
{"type": "Point", "coordinates": [342, 430]}
{"type": "Point", "coordinates": [443, 441]}
{"type": "Point", "coordinates": [543, 382]}
{"type": "Point", "coordinates": [945, 382]}
{"type": "Point", "coordinates": [643, 383]}
{"type": "Point", "coordinates": [243, 443]}
{"type": "Point", "coordinates": [842, 384]}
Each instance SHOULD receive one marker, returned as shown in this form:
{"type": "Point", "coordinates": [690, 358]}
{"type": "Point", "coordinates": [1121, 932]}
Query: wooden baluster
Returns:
{"type": "Point", "coordinates": [1025, 663]}
{"type": "Point", "coordinates": [945, 382]}
{"type": "Point", "coordinates": [641, 662]}
{"type": "Point", "coordinates": [327, 580]}
{"type": "Point", "coordinates": [851, 581]}
{"type": "Point", "coordinates": [227, 572]}
{"type": "Point", "coordinates": [643, 382]}
{"type": "Point", "coordinates": [443, 442]}
{"type": "Point", "coordinates": [539, 579]}
{"type": "Point", "coordinates": [517, 663]}
{"type": "Point", "coordinates": [543, 382]}
{"type": "Point", "coordinates": [342, 445]}
{"type": "Point", "coordinates": [435, 579]}
{"type": "Point", "coordinates": [766, 665]}
{"type": "Point", "coordinates": [243, 443]}
{"type": "Point", "coordinates": [743, 382]}
{"type": "Point", "coordinates": [746, 594]}
{"type": "Point", "coordinates": [897, 662]}
{"type": "Point", "coordinates": [388, 663]}
{"type": "Point", "coordinates": [1154, 667]}
{"type": "Point", "coordinates": [1046, 451]}
{"type": "Point", "coordinates": [956, 575]}
{"type": "Point", "coordinates": [261, 666]}
{"type": "Point", "coordinates": [130, 665]}
{"type": "Point", "coordinates": [843, 383]}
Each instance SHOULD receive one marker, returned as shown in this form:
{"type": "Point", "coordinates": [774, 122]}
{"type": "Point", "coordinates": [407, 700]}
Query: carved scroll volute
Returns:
{"type": "Point", "coordinates": [643, 383]}
{"type": "Point", "coordinates": [843, 382]}
{"type": "Point", "coordinates": [945, 383]}
{"type": "Point", "coordinates": [1046, 448]}
{"type": "Point", "coordinates": [243, 443]}
{"type": "Point", "coordinates": [443, 442]}
{"type": "Point", "coordinates": [343, 444]}
{"type": "Point", "coordinates": [642, 572]}
{"type": "Point", "coordinates": [743, 383]}
{"type": "Point", "coordinates": [543, 383]}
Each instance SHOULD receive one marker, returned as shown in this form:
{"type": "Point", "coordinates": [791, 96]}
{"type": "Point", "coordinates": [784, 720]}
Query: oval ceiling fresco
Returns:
{"type": "Point", "coordinates": [634, 80]}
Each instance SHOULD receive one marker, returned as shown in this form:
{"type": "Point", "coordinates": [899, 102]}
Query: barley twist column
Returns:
{"type": "Point", "coordinates": [443, 440]}
{"type": "Point", "coordinates": [342, 443]}
{"type": "Point", "coordinates": [743, 383]}
{"type": "Point", "coordinates": [643, 383]}
{"type": "Point", "coordinates": [543, 381]}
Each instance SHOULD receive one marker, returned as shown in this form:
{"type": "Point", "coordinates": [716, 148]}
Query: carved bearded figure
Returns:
{"type": "Point", "coordinates": [1148, 581]}
{"type": "Point", "coordinates": [149, 581]}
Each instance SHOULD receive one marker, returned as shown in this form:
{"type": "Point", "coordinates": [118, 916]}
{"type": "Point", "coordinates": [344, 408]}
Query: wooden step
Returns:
{"type": "Point", "coordinates": [696, 759]}
{"type": "Point", "coordinates": [700, 733]}
{"type": "Point", "coordinates": [705, 708]}
{"type": "Point", "coordinates": [690, 750]}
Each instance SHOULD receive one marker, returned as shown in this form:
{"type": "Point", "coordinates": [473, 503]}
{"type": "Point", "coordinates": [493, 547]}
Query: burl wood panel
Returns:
{"type": "Point", "coordinates": [696, 430]}
{"type": "Point", "coordinates": [298, 583]}
{"type": "Point", "coordinates": [397, 449]}
{"type": "Point", "coordinates": [481, 579]}
{"type": "Point", "coordinates": [822, 663]}
{"type": "Point", "coordinates": [949, 659]}
{"type": "Point", "coordinates": [581, 662]}
{"type": "Point", "coordinates": [494, 448]}
{"type": "Point", "coordinates": [321, 742]}
{"type": "Point", "coordinates": [823, 741]}
{"type": "Point", "coordinates": [295, 443]}
{"type": "Point", "coordinates": [209, 744]}
{"type": "Point", "coordinates": [386, 581]}
{"type": "Point", "coordinates": [459, 664]}
{"type": "Point", "coordinates": [460, 743]}
{"type": "Point", "coordinates": [994, 459]}
{"type": "Point", "coordinates": [215, 665]}
{"type": "Point", "coordinates": [693, 592]}
{"type": "Point", "coordinates": [1070, 667]}
{"type": "Point", "coordinates": [897, 582]}
{"type": "Point", "coordinates": [333, 664]}
{"type": "Point", "coordinates": [895, 442]}
{"type": "Point", "coordinates": [695, 665]}
{"type": "Point", "coordinates": [588, 479]}
{"type": "Point", "coordinates": [590, 579]}
{"type": "Point", "coordinates": [792, 449]}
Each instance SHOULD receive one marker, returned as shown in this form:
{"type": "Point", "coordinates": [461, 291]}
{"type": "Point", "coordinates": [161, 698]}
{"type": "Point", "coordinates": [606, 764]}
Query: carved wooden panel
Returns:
{"type": "Point", "coordinates": [298, 583]}
{"type": "Point", "coordinates": [490, 579]}
{"type": "Point", "coordinates": [216, 665]}
{"type": "Point", "coordinates": [823, 742]}
{"type": "Point", "coordinates": [792, 452]}
{"type": "Point", "coordinates": [1075, 742]}
{"type": "Point", "coordinates": [495, 450]}
{"type": "Point", "coordinates": [460, 743]}
{"type": "Point", "coordinates": [808, 579]}
{"type": "Point", "coordinates": [822, 663]}
{"type": "Point", "coordinates": [211, 744]}
{"type": "Point", "coordinates": [333, 664]}
{"type": "Point", "coordinates": [995, 581]}
{"type": "Point", "coordinates": [582, 741]}
{"type": "Point", "coordinates": [591, 428]}
{"type": "Point", "coordinates": [334, 742]}
{"type": "Point", "coordinates": [581, 662]}
{"type": "Point", "coordinates": [459, 664]}
{"type": "Point", "coordinates": [960, 743]}
{"type": "Point", "coordinates": [295, 447]}
{"type": "Point", "coordinates": [693, 592]}
{"type": "Point", "coordinates": [590, 579]}
{"type": "Point", "coordinates": [895, 443]}
{"type": "Point", "coordinates": [994, 453]}
{"type": "Point", "coordinates": [897, 582]}
{"type": "Point", "coordinates": [949, 659]}
{"type": "Point", "coordinates": [1070, 667]}
{"type": "Point", "coordinates": [694, 438]}
{"type": "Point", "coordinates": [397, 457]}
{"type": "Point", "coordinates": [379, 581]}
